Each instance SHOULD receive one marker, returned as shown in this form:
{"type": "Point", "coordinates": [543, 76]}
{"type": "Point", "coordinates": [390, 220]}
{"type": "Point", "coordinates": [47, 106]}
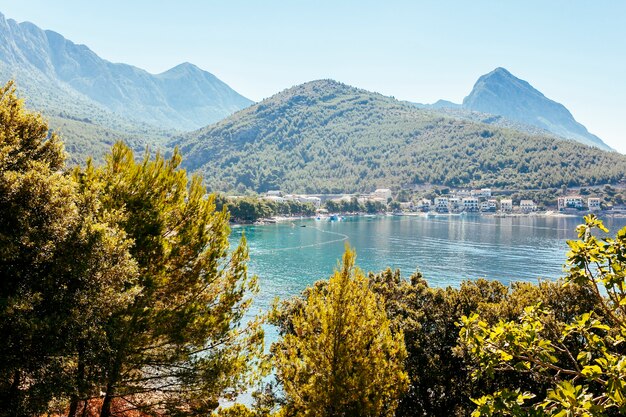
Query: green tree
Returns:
{"type": "Point", "coordinates": [180, 345]}
{"type": "Point", "coordinates": [62, 272]}
{"type": "Point", "coordinates": [583, 358]}
{"type": "Point", "coordinates": [439, 371]}
{"type": "Point", "coordinates": [337, 355]}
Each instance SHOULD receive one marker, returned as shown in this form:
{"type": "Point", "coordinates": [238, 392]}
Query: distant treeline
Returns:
{"type": "Point", "coordinates": [249, 209]}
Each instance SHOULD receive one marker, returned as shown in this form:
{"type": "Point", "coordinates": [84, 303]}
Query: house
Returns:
{"type": "Point", "coordinates": [526, 206]}
{"type": "Point", "coordinates": [471, 204]}
{"type": "Point", "coordinates": [482, 193]}
{"type": "Point", "coordinates": [593, 203]}
{"type": "Point", "coordinates": [441, 204]}
{"type": "Point", "coordinates": [570, 202]}
{"type": "Point", "coordinates": [455, 204]}
{"type": "Point", "coordinates": [490, 205]}
{"type": "Point", "coordinates": [274, 198]}
{"type": "Point", "coordinates": [274, 193]}
{"type": "Point", "coordinates": [424, 204]}
{"type": "Point", "coordinates": [506, 205]}
{"type": "Point", "coordinates": [316, 201]}
{"type": "Point", "coordinates": [382, 193]}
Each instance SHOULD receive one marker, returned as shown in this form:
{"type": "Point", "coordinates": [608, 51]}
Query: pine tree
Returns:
{"type": "Point", "coordinates": [61, 272]}
{"type": "Point", "coordinates": [179, 346]}
{"type": "Point", "coordinates": [339, 356]}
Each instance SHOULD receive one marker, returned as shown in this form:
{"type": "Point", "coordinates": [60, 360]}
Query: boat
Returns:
{"type": "Point", "coordinates": [333, 218]}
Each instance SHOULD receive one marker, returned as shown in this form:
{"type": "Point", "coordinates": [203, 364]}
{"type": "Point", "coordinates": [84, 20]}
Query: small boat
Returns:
{"type": "Point", "coordinates": [333, 218]}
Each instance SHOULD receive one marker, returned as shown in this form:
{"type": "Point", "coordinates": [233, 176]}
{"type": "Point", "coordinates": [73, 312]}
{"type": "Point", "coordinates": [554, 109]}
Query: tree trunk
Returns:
{"type": "Point", "coordinates": [106, 405]}
{"type": "Point", "coordinates": [80, 382]}
{"type": "Point", "coordinates": [14, 395]}
{"type": "Point", "coordinates": [73, 406]}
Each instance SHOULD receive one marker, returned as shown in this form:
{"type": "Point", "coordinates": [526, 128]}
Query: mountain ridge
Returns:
{"type": "Point", "coordinates": [328, 137]}
{"type": "Point", "coordinates": [183, 97]}
{"type": "Point", "coordinates": [501, 93]}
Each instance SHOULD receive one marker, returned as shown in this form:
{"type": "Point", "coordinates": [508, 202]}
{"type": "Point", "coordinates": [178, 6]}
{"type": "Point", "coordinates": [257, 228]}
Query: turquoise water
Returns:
{"type": "Point", "coordinates": [448, 249]}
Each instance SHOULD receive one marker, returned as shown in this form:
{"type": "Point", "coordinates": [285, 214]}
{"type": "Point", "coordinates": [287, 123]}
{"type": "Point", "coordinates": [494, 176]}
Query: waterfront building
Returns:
{"type": "Point", "coordinates": [593, 203]}
{"type": "Point", "coordinates": [570, 202]}
{"type": "Point", "coordinates": [506, 205]}
{"type": "Point", "coordinates": [471, 204]}
{"type": "Point", "coordinates": [455, 204]}
{"type": "Point", "coordinates": [527, 206]}
{"type": "Point", "coordinates": [441, 204]}
{"type": "Point", "coordinates": [424, 204]}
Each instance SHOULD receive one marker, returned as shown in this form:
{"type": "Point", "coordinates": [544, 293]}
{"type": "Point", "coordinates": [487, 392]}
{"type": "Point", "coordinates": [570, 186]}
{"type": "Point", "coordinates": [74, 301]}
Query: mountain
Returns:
{"type": "Point", "coordinates": [61, 72]}
{"type": "Point", "coordinates": [324, 136]}
{"type": "Point", "coordinates": [516, 104]}
{"type": "Point", "coordinates": [501, 93]}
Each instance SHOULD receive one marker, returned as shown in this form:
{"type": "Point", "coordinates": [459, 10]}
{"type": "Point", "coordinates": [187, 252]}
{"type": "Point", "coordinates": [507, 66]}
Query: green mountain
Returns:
{"type": "Point", "coordinates": [502, 99]}
{"type": "Point", "coordinates": [324, 136]}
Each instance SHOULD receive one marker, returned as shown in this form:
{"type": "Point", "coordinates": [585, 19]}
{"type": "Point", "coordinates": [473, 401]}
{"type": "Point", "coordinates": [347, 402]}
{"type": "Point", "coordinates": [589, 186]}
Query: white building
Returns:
{"type": "Point", "coordinates": [274, 193]}
{"type": "Point", "coordinates": [275, 198]}
{"type": "Point", "coordinates": [506, 205]}
{"type": "Point", "coordinates": [527, 206]}
{"type": "Point", "coordinates": [424, 204]}
{"type": "Point", "coordinates": [572, 201]}
{"type": "Point", "coordinates": [482, 193]}
{"type": "Point", "coordinates": [471, 204]}
{"type": "Point", "coordinates": [489, 205]}
{"type": "Point", "coordinates": [383, 193]}
{"type": "Point", "coordinates": [455, 204]}
{"type": "Point", "coordinates": [441, 204]}
{"type": "Point", "coordinates": [316, 201]}
{"type": "Point", "coordinates": [593, 203]}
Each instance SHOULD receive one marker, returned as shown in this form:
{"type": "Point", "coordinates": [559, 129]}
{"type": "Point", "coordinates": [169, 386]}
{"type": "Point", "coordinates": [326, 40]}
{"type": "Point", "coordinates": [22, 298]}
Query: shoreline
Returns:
{"type": "Point", "coordinates": [548, 213]}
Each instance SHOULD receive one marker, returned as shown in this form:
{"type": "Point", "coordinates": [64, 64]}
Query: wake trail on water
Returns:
{"type": "Point", "coordinates": [312, 245]}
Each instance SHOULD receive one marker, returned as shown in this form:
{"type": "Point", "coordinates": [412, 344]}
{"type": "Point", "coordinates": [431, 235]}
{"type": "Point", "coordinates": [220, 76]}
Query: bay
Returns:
{"type": "Point", "coordinates": [287, 257]}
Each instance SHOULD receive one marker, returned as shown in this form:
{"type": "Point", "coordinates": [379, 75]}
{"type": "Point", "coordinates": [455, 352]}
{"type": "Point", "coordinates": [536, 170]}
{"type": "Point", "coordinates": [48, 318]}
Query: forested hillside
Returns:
{"type": "Point", "coordinates": [324, 136]}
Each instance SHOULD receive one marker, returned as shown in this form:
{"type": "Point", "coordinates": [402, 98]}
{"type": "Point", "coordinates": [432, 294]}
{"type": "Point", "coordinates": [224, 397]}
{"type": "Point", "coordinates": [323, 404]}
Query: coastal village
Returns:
{"type": "Point", "coordinates": [459, 201]}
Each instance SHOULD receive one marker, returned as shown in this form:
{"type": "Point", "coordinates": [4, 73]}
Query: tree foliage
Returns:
{"type": "Point", "coordinates": [178, 346]}
{"type": "Point", "coordinates": [439, 370]}
{"type": "Point", "coordinates": [338, 355]}
{"type": "Point", "coordinates": [583, 357]}
{"type": "Point", "coordinates": [116, 280]}
{"type": "Point", "coordinates": [63, 271]}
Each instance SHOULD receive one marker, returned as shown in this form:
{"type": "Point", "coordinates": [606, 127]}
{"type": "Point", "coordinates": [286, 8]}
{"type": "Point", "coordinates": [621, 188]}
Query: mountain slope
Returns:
{"type": "Point", "coordinates": [501, 93]}
{"type": "Point", "coordinates": [325, 136]}
{"type": "Point", "coordinates": [59, 71]}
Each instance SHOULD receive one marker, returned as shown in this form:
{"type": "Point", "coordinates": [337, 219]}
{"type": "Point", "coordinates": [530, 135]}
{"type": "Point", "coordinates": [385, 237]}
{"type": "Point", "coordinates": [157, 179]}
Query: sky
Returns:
{"type": "Point", "coordinates": [572, 51]}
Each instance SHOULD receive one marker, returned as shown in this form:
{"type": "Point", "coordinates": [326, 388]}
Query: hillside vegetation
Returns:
{"type": "Point", "coordinates": [324, 136]}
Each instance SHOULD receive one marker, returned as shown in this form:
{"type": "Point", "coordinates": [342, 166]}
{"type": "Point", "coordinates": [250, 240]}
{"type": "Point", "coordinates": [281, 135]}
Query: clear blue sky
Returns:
{"type": "Point", "coordinates": [572, 51]}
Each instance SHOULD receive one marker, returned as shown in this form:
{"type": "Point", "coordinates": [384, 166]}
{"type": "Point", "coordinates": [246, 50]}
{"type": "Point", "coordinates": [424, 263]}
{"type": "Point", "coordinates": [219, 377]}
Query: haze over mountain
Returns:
{"type": "Point", "coordinates": [57, 74]}
{"type": "Point", "coordinates": [324, 136]}
{"type": "Point", "coordinates": [501, 93]}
